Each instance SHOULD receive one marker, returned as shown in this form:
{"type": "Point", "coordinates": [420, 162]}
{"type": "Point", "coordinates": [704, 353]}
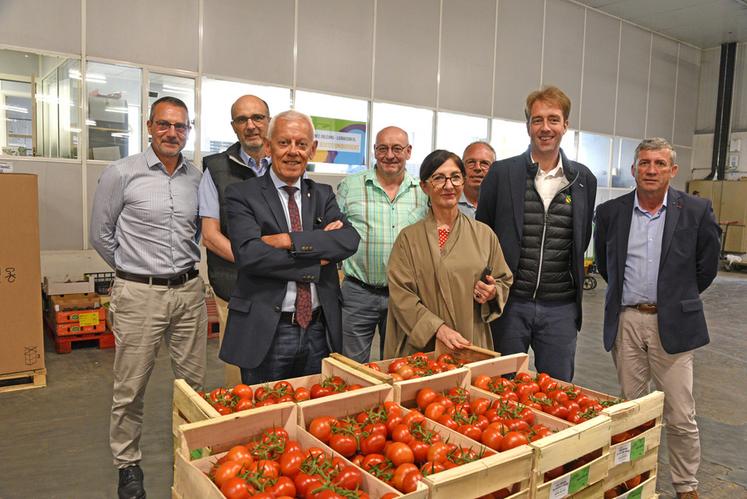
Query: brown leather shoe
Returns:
{"type": "Point", "coordinates": [692, 494]}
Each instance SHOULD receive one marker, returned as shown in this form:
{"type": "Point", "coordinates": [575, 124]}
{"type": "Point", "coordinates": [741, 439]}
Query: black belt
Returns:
{"type": "Point", "coordinates": [645, 308]}
{"type": "Point", "coordinates": [290, 317]}
{"type": "Point", "coordinates": [379, 290]}
{"type": "Point", "coordinates": [176, 280]}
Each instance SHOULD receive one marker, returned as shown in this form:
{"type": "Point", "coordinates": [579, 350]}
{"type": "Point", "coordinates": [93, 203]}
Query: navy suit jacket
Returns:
{"type": "Point", "coordinates": [688, 264]}
{"type": "Point", "coordinates": [254, 210]}
{"type": "Point", "coordinates": [501, 206]}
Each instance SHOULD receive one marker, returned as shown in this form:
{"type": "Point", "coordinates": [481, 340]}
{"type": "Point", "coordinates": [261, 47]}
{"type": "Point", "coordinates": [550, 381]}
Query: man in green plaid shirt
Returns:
{"type": "Point", "coordinates": [379, 202]}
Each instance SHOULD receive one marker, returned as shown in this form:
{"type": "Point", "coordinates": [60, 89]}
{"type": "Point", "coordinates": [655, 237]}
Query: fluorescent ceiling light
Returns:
{"type": "Point", "coordinates": [16, 109]}
{"type": "Point", "coordinates": [112, 109]}
{"type": "Point", "coordinates": [179, 90]}
{"type": "Point", "coordinates": [90, 123]}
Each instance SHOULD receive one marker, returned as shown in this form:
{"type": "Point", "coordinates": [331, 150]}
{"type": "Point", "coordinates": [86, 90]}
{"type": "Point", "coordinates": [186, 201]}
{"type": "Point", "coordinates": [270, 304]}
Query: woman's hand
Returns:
{"type": "Point", "coordinates": [485, 292]}
{"type": "Point", "coordinates": [450, 338]}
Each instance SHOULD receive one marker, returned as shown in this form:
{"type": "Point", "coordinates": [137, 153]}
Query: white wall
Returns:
{"type": "Point", "coordinates": [480, 57]}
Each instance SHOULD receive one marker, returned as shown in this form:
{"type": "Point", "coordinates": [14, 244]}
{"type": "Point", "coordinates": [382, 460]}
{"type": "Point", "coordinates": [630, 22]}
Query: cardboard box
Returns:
{"type": "Point", "coordinates": [21, 330]}
{"type": "Point", "coordinates": [52, 288]}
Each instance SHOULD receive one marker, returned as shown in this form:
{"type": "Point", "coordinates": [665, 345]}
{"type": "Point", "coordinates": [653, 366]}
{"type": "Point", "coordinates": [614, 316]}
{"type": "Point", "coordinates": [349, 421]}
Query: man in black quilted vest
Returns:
{"type": "Point", "coordinates": [540, 204]}
{"type": "Point", "coordinates": [245, 159]}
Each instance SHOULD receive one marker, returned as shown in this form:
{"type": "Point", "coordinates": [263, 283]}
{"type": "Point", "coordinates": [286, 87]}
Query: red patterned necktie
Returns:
{"type": "Point", "coordinates": [303, 289]}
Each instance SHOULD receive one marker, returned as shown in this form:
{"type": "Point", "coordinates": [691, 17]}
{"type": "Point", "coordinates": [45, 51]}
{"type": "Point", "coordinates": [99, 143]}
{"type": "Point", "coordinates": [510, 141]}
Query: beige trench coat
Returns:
{"type": "Point", "coordinates": [428, 288]}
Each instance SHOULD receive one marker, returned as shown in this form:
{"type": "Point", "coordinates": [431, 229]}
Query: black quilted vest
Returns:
{"type": "Point", "coordinates": [544, 271]}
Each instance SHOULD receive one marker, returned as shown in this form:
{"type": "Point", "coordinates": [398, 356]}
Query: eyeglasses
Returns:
{"type": "Point", "coordinates": [165, 126]}
{"type": "Point", "coordinates": [256, 119]}
{"type": "Point", "coordinates": [475, 164]}
{"type": "Point", "coordinates": [439, 181]}
{"type": "Point", "coordinates": [397, 150]}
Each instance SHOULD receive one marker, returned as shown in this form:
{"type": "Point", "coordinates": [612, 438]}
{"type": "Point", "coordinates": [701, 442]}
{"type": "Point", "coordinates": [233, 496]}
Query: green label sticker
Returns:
{"type": "Point", "coordinates": [579, 480]}
{"type": "Point", "coordinates": [635, 494]}
{"type": "Point", "coordinates": [196, 454]}
{"type": "Point", "coordinates": [637, 448]}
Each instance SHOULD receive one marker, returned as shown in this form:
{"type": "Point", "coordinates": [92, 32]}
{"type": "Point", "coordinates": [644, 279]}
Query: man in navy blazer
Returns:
{"type": "Point", "coordinates": [658, 249]}
{"type": "Point", "coordinates": [540, 205]}
{"type": "Point", "coordinates": [287, 234]}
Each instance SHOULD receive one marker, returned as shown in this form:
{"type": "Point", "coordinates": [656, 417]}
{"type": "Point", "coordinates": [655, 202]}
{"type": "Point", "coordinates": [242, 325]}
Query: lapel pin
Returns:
{"type": "Point", "coordinates": [308, 194]}
{"type": "Point", "coordinates": [580, 185]}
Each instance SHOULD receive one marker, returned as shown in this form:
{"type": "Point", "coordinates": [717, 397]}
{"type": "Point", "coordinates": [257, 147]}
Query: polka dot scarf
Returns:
{"type": "Point", "coordinates": [443, 236]}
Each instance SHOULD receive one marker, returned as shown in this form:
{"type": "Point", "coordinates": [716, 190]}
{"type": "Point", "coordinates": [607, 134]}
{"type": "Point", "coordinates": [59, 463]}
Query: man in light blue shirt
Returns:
{"type": "Point", "coordinates": [477, 158]}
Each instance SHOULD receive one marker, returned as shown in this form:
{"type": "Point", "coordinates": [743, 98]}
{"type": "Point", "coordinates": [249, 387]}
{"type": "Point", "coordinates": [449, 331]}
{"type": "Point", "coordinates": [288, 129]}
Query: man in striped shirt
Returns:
{"type": "Point", "coordinates": [379, 202]}
{"type": "Point", "coordinates": [144, 224]}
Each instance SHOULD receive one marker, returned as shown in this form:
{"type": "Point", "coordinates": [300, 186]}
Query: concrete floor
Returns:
{"type": "Point", "coordinates": [54, 441]}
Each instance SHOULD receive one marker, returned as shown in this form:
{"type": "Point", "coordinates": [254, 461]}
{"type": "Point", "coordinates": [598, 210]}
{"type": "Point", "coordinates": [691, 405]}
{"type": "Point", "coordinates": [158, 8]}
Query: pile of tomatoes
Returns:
{"type": "Point", "coordinates": [500, 424]}
{"type": "Point", "coordinates": [418, 365]}
{"type": "Point", "coordinates": [395, 445]}
{"type": "Point", "coordinates": [241, 397]}
{"type": "Point", "coordinates": [545, 394]}
{"type": "Point", "coordinates": [626, 486]}
{"type": "Point", "coordinates": [275, 466]}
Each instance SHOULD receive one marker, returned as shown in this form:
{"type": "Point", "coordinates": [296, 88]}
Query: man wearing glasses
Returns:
{"type": "Point", "coordinates": [477, 158]}
{"type": "Point", "coordinates": [379, 202]}
{"type": "Point", "coordinates": [540, 204]}
{"type": "Point", "coordinates": [245, 159]}
{"type": "Point", "coordinates": [144, 224]}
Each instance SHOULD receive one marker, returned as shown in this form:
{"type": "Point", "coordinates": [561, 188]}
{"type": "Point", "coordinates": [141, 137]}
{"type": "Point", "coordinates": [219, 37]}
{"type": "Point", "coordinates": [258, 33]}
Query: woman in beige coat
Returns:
{"type": "Point", "coordinates": [434, 271]}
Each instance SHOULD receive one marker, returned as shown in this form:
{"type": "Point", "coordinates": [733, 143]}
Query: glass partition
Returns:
{"type": "Point", "coordinates": [456, 131]}
{"type": "Point", "coordinates": [160, 85]}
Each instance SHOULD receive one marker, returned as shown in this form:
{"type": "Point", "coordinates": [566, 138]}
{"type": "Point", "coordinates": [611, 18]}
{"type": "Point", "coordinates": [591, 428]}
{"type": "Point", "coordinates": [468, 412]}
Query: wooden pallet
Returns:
{"type": "Point", "coordinates": [23, 380]}
{"type": "Point", "coordinates": [64, 344]}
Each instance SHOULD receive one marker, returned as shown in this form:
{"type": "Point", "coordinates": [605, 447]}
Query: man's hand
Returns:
{"type": "Point", "coordinates": [337, 224]}
{"type": "Point", "coordinates": [279, 241]}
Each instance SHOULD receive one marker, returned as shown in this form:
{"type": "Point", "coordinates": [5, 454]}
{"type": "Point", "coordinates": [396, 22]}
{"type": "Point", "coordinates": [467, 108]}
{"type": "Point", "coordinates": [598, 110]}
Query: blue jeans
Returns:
{"type": "Point", "coordinates": [548, 327]}
{"type": "Point", "coordinates": [294, 352]}
{"type": "Point", "coordinates": [362, 311]}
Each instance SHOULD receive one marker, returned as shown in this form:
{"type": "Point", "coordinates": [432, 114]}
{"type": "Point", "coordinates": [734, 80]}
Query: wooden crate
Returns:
{"type": "Point", "coordinates": [628, 470]}
{"type": "Point", "coordinates": [405, 391]}
{"type": "Point", "coordinates": [23, 380]}
{"type": "Point", "coordinates": [481, 477]}
{"type": "Point", "coordinates": [468, 355]}
{"type": "Point", "coordinates": [189, 407]}
{"type": "Point", "coordinates": [646, 490]}
{"type": "Point", "coordinates": [565, 446]}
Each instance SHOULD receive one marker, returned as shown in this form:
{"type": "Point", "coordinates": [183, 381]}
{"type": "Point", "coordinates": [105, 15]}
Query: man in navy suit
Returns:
{"type": "Point", "coordinates": [658, 249]}
{"type": "Point", "coordinates": [540, 205]}
{"type": "Point", "coordinates": [287, 233]}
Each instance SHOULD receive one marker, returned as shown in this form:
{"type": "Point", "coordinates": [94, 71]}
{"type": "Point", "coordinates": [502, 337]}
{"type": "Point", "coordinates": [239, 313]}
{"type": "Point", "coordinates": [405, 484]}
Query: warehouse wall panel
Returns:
{"type": "Point", "coordinates": [163, 33]}
{"type": "Point", "coordinates": [685, 110]}
{"type": "Point", "coordinates": [41, 24]}
{"type": "Point", "coordinates": [708, 88]}
{"type": "Point", "coordinates": [406, 54]}
{"type": "Point", "coordinates": [739, 102]}
{"type": "Point", "coordinates": [335, 46]}
{"type": "Point", "coordinates": [635, 52]}
{"type": "Point", "coordinates": [563, 53]}
{"type": "Point", "coordinates": [60, 203]}
{"type": "Point", "coordinates": [518, 56]}
{"type": "Point", "coordinates": [660, 115]}
{"type": "Point", "coordinates": [597, 107]}
{"type": "Point", "coordinates": [467, 52]}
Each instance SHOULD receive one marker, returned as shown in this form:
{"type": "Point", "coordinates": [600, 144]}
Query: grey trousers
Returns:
{"type": "Point", "coordinates": [639, 358]}
{"type": "Point", "coordinates": [362, 311]}
{"type": "Point", "coordinates": [142, 315]}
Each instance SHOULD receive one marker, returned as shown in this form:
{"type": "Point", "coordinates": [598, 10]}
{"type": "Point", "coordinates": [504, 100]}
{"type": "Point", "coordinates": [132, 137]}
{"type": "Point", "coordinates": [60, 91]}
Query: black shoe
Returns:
{"type": "Point", "coordinates": [131, 483]}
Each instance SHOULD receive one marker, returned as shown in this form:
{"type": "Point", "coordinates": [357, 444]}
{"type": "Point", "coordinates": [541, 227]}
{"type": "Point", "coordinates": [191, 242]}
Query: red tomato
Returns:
{"type": "Point", "coordinates": [373, 461]}
{"type": "Point", "coordinates": [349, 478]}
{"type": "Point", "coordinates": [399, 453]}
{"type": "Point", "coordinates": [222, 409]}
{"type": "Point", "coordinates": [395, 365]}
{"type": "Point", "coordinates": [410, 482]}
{"type": "Point", "coordinates": [424, 397]}
{"type": "Point", "coordinates": [470, 431]}
{"type": "Point", "coordinates": [437, 452]}
{"type": "Point", "coordinates": [374, 366]}
{"type": "Point", "coordinates": [236, 488]}
{"type": "Point", "coordinates": [290, 463]}
{"type": "Point", "coordinates": [434, 411]}
{"type": "Point", "coordinates": [302, 393]}
{"type": "Point", "coordinates": [513, 439]}
{"type": "Point", "coordinates": [321, 427]}
{"type": "Point", "coordinates": [373, 443]}
{"type": "Point", "coordinates": [400, 472]}
{"type": "Point", "coordinates": [492, 438]}
{"type": "Point", "coordinates": [318, 391]}
{"type": "Point", "coordinates": [430, 468]}
{"type": "Point", "coordinates": [343, 443]}
{"type": "Point", "coordinates": [243, 404]}
{"type": "Point", "coordinates": [240, 454]}
{"type": "Point", "coordinates": [242, 391]}
{"type": "Point", "coordinates": [414, 416]}
{"type": "Point", "coordinates": [419, 450]}
{"type": "Point", "coordinates": [481, 381]}
{"type": "Point", "coordinates": [479, 405]}
{"type": "Point", "coordinates": [224, 471]}
{"type": "Point", "coordinates": [283, 487]}
{"type": "Point", "coordinates": [406, 371]}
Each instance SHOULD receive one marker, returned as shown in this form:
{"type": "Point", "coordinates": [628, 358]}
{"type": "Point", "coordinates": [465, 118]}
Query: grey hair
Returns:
{"type": "Point", "coordinates": [655, 144]}
{"type": "Point", "coordinates": [290, 115]}
{"type": "Point", "coordinates": [480, 143]}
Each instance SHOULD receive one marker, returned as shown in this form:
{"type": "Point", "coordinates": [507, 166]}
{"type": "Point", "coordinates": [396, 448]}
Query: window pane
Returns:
{"type": "Point", "coordinates": [624, 152]}
{"type": "Point", "coordinates": [594, 151]}
{"type": "Point", "coordinates": [113, 111]}
{"type": "Point", "coordinates": [509, 138]}
{"type": "Point", "coordinates": [217, 98]}
{"type": "Point", "coordinates": [39, 105]}
{"type": "Point", "coordinates": [417, 122]}
{"type": "Point", "coordinates": [340, 124]}
{"type": "Point", "coordinates": [456, 131]}
{"type": "Point", "coordinates": [181, 88]}
{"type": "Point", "coordinates": [568, 144]}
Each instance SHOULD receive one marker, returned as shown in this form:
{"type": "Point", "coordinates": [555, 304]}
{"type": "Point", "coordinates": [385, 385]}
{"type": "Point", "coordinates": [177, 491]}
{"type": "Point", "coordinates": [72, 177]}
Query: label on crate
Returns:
{"type": "Point", "coordinates": [563, 487]}
{"type": "Point", "coordinates": [89, 319]}
{"type": "Point", "coordinates": [633, 494]}
{"type": "Point", "coordinates": [630, 451]}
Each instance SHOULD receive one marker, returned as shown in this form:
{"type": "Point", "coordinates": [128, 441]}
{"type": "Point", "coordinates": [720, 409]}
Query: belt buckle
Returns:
{"type": "Point", "coordinates": [293, 318]}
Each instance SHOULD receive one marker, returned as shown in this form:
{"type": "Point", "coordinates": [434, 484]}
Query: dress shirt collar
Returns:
{"type": "Point", "coordinates": [152, 160]}
{"type": "Point", "coordinates": [260, 168]}
{"type": "Point", "coordinates": [554, 173]}
{"type": "Point", "coordinates": [637, 205]}
{"type": "Point", "coordinates": [279, 184]}
{"type": "Point", "coordinates": [408, 180]}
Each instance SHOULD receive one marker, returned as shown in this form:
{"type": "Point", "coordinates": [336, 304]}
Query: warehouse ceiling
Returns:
{"type": "Point", "coordinates": [703, 23]}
